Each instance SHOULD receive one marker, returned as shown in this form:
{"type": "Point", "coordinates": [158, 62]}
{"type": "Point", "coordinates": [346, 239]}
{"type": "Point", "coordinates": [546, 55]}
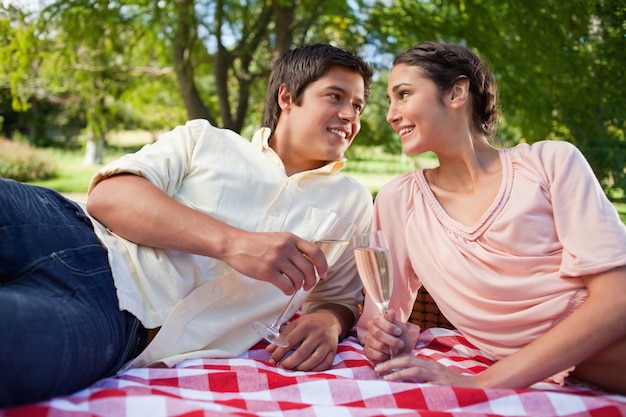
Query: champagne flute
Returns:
{"type": "Point", "coordinates": [332, 236]}
{"type": "Point", "coordinates": [373, 262]}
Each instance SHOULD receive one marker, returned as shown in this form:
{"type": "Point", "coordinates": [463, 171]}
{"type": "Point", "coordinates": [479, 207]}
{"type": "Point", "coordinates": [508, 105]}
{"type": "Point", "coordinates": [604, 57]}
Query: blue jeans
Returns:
{"type": "Point", "coordinates": [60, 325]}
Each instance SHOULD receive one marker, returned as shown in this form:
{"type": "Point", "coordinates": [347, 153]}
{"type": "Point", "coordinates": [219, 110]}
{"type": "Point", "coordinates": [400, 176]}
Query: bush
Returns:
{"type": "Point", "coordinates": [22, 162]}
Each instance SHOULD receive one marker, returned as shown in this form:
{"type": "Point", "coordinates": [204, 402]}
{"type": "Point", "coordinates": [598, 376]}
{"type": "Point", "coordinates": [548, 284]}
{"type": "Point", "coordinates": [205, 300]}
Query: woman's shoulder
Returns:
{"type": "Point", "coordinates": [549, 154]}
{"type": "Point", "coordinates": [399, 194]}
{"type": "Point", "coordinates": [549, 161]}
{"type": "Point", "coordinates": [544, 149]}
{"type": "Point", "coordinates": [401, 184]}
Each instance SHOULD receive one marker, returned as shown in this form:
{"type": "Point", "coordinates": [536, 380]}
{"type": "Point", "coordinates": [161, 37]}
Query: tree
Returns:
{"type": "Point", "coordinates": [559, 65]}
{"type": "Point", "coordinates": [239, 40]}
{"type": "Point", "coordinates": [94, 41]}
{"type": "Point", "coordinates": [220, 51]}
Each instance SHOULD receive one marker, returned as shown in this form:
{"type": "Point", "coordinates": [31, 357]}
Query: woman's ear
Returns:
{"type": "Point", "coordinates": [459, 93]}
{"type": "Point", "coordinates": [285, 99]}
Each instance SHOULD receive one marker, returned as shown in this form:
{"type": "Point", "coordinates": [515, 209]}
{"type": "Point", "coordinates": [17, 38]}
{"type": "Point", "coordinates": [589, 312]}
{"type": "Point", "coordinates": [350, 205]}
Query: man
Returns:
{"type": "Point", "coordinates": [189, 241]}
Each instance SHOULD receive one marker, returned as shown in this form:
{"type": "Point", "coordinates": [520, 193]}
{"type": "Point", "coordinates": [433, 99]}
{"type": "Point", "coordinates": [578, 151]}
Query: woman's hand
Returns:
{"type": "Point", "coordinates": [388, 337]}
{"type": "Point", "coordinates": [416, 369]}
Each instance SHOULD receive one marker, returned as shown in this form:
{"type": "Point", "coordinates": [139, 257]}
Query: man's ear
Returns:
{"type": "Point", "coordinates": [459, 93]}
{"type": "Point", "coordinates": [285, 99]}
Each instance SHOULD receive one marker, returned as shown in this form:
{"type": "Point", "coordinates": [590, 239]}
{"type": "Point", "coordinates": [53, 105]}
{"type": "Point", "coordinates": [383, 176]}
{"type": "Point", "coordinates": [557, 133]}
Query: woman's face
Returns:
{"type": "Point", "coordinates": [416, 111]}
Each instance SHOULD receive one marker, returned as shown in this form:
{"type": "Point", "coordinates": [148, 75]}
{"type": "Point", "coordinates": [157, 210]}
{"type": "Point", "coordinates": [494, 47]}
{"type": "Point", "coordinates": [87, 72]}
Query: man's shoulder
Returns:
{"type": "Point", "coordinates": [201, 131]}
{"type": "Point", "coordinates": [200, 126]}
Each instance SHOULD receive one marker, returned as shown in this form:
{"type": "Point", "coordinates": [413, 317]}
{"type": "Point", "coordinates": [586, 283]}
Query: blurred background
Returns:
{"type": "Point", "coordinates": [84, 81]}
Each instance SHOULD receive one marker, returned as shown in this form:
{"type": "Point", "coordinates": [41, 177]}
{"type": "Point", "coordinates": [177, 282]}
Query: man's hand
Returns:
{"type": "Point", "coordinates": [314, 338]}
{"type": "Point", "coordinates": [281, 258]}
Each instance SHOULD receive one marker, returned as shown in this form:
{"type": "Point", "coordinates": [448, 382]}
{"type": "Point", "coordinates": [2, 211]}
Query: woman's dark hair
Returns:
{"type": "Point", "coordinates": [300, 67]}
{"type": "Point", "coordinates": [445, 64]}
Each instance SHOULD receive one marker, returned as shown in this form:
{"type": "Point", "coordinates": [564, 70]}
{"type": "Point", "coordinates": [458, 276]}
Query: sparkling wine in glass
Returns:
{"type": "Point", "coordinates": [332, 236]}
{"type": "Point", "coordinates": [371, 254]}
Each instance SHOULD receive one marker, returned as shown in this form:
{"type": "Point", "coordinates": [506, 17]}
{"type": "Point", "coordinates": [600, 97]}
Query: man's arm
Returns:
{"type": "Point", "coordinates": [135, 209]}
{"type": "Point", "coordinates": [344, 317]}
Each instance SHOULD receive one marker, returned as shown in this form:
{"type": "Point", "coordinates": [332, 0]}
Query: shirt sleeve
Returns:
{"type": "Point", "coordinates": [164, 163]}
{"type": "Point", "coordinates": [587, 224]}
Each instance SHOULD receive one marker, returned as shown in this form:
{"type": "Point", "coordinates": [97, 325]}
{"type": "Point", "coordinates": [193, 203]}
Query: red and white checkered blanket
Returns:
{"type": "Point", "coordinates": [251, 386]}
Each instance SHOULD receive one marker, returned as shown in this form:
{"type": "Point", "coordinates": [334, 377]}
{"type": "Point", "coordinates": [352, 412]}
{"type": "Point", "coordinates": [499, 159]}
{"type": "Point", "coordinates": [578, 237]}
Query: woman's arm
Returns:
{"type": "Point", "coordinates": [595, 325]}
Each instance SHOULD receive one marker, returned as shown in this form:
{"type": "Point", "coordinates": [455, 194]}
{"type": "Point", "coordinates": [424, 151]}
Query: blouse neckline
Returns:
{"type": "Point", "coordinates": [475, 231]}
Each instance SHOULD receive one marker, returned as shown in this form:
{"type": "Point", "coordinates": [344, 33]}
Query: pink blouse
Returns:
{"type": "Point", "coordinates": [514, 274]}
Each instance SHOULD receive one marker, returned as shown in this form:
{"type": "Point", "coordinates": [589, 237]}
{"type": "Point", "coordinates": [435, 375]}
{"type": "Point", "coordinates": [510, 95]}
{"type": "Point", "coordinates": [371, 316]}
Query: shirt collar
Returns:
{"type": "Point", "coordinates": [261, 140]}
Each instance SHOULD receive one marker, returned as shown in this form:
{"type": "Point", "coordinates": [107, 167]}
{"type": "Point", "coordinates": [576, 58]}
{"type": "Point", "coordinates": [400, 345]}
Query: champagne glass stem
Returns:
{"type": "Point", "coordinates": [271, 332]}
{"type": "Point", "coordinates": [281, 316]}
{"type": "Point", "coordinates": [385, 311]}
{"type": "Point", "coordinates": [331, 236]}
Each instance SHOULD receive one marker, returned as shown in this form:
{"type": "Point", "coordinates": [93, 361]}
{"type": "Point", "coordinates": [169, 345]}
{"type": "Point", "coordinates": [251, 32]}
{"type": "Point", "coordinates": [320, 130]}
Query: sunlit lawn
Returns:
{"type": "Point", "coordinates": [73, 176]}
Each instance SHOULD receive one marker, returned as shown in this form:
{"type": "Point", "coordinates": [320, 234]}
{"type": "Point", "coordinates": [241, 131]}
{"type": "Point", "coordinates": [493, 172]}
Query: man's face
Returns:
{"type": "Point", "coordinates": [323, 126]}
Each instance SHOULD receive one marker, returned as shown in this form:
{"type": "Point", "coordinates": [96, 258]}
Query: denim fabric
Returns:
{"type": "Point", "coordinates": [60, 325]}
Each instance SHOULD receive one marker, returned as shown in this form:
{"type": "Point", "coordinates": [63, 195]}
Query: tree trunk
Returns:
{"type": "Point", "coordinates": [182, 42]}
{"type": "Point", "coordinates": [93, 149]}
{"type": "Point", "coordinates": [284, 15]}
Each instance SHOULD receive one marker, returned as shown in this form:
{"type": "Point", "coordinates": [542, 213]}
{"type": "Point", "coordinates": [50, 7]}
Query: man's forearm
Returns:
{"type": "Point", "coordinates": [135, 209]}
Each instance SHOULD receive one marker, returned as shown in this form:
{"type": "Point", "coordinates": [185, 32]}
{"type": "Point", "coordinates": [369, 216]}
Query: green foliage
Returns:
{"type": "Point", "coordinates": [375, 131]}
{"type": "Point", "coordinates": [560, 65]}
{"type": "Point", "coordinates": [93, 66]}
{"type": "Point", "coordinates": [22, 162]}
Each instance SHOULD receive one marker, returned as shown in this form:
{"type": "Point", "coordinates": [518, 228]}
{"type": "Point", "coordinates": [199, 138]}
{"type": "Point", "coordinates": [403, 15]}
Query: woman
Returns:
{"type": "Point", "coordinates": [519, 247]}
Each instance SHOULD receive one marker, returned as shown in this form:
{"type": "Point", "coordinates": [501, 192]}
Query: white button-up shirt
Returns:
{"type": "Point", "coordinates": [204, 307]}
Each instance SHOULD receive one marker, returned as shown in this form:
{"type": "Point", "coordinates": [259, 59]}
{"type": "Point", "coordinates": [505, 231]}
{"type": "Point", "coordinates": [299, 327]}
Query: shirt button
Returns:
{"type": "Point", "coordinates": [217, 289]}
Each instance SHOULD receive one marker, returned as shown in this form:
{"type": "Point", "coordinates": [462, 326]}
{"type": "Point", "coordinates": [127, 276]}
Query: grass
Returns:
{"type": "Point", "coordinates": [73, 176]}
{"type": "Point", "coordinates": [374, 168]}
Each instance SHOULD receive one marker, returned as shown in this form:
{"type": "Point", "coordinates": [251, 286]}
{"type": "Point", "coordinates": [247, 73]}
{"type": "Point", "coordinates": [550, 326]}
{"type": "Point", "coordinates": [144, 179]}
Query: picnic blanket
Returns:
{"type": "Point", "coordinates": [250, 386]}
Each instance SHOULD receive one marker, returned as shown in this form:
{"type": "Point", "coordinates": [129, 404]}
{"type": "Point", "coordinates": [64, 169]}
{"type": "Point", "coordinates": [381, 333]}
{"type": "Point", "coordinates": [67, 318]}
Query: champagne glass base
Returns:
{"type": "Point", "coordinates": [392, 370]}
{"type": "Point", "coordinates": [271, 334]}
